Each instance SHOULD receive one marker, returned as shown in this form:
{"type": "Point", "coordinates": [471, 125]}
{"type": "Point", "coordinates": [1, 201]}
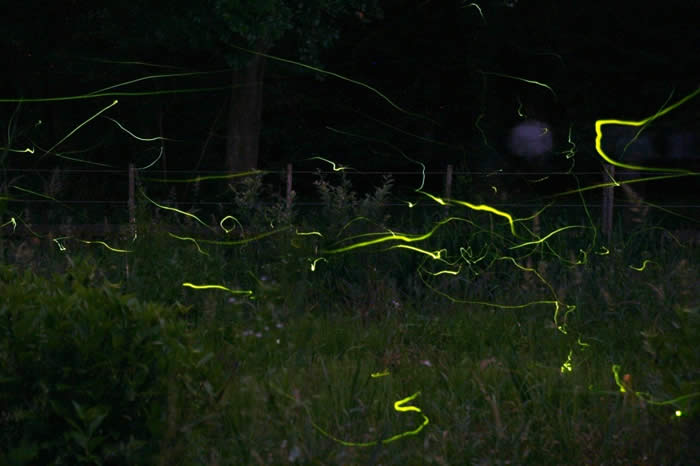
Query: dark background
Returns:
{"type": "Point", "coordinates": [441, 61]}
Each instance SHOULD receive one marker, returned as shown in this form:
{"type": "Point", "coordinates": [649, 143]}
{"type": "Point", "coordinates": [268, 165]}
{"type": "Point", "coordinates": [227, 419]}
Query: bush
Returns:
{"type": "Point", "coordinates": [83, 371]}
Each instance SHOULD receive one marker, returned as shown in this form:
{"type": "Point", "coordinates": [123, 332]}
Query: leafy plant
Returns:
{"type": "Point", "coordinates": [341, 205]}
{"type": "Point", "coordinates": [83, 370]}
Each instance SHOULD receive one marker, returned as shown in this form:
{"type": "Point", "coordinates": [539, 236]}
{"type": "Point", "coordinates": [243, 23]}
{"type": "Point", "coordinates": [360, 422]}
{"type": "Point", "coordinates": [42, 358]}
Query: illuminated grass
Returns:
{"type": "Point", "coordinates": [291, 369]}
{"type": "Point", "coordinates": [358, 335]}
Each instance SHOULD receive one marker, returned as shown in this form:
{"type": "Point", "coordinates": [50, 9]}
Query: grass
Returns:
{"type": "Point", "coordinates": [291, 375]}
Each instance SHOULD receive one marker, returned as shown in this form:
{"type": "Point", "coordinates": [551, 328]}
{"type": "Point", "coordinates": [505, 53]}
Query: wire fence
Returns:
{"type": "Point", "coordinates": [122, 183]}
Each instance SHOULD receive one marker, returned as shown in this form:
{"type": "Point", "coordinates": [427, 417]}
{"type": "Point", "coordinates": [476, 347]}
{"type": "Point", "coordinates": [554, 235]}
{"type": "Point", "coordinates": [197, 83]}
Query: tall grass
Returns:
{"type": "Point", "coordinates": [290, 373]}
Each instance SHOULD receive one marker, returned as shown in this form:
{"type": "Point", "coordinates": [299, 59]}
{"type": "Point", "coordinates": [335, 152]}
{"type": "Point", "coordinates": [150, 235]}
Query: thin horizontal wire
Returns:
{"type": "Point", "coordinates": [317, 204]}
{"type": "Point", "coordinates": [167, 173]}
{"type": "Point", "coordinates": [125, 227]}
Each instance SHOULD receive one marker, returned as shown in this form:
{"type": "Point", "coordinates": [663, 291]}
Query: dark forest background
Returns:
{"type": "Point", "coordinates": [449, 65]}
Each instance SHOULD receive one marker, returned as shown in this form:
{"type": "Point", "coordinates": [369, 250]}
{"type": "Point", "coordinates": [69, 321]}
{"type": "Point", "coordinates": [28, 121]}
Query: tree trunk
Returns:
{"type": "Point", "coordinates": [244, 122]}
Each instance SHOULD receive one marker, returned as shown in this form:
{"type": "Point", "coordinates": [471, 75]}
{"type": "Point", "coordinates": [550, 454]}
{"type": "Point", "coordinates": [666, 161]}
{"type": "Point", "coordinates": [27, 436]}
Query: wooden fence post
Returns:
{"type": "Point", "coordinates": [289, 186]}
{"type": "Point", "coordinates": [132, 201]}
{"type": "Point", "coordinates": [608, 200]}
{"type": "Point", "coordinates": [448, 183]}
{"type": "Point", "coordinates": [132, 214]}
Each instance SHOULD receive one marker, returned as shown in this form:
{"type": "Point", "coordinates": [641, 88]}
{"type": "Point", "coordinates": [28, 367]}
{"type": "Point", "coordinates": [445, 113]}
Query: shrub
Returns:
{"type": "Point", "coordinates": [83, 370]}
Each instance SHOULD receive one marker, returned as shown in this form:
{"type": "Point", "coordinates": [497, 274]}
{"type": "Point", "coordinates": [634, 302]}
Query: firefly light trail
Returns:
{"type": "Point", "coordinates": [464, 260]}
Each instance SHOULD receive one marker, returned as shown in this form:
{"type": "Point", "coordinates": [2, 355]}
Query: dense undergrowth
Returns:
{"type": "Point", "coordinates": [568, 351]}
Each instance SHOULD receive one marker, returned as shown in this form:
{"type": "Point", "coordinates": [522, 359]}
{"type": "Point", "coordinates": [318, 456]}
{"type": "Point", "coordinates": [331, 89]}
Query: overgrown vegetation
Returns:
{"type": "Point", "coordinates": [101, 367]}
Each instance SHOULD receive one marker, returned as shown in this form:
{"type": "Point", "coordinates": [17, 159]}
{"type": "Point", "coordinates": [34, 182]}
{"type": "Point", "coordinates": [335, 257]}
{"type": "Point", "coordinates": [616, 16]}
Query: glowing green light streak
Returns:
{"type": "Point", "coordinates": [72, 132]}
{"type": "Point", "coordinates": [97, 164]}
{"type": "Point", "coordinates": [519, 110]}
{"type": "Point", "coordinates": [599, 136]}
{"type": "Point", "coordinates": [468, 253]}
{"type": "Point", "coordinates": [403, 154]}
{"type": "Point", "coordinates": [624, 388]}
{"type": "Point", "coordinates": [153, 76]}
{"type": "Point", "coordinates": [571, 152]}
{"type": "Point", "coordinates": [486, 303]}
{"type": "Point", "coordinates": [444, 272]}
{"type": "Point", "coordinates": [339, 168]}
{"type": "Point", "coordinates": [211, 177]}
{"type": "Point", "coordinates": [183, 238]}
{"type": "Point", "coordinates": [14, 225]}
{"type": "Point", "coordinates": [555, 302]}
{"type": "Point", "coordinates": [383, 373]}
{"type": "Point", "coordinates": [399, 407]}
{"type": "Point", "coordinates": [671, 212]}
{"type": "Point", "coordinates": [232, 218]}
{"type": "Point", "coordinates": [609, 175]}
{"type": "Point", "coordinates": [567, 366]}
{"type": "Point", "coordinates": [132, 62]}
{"type": "Point", "coordinates": [245, 240]}
{"type": "Point", "coordinates": [102, 243]}
{"type": "Point", "coordinates": [74, 159]}
{"type": "Point", "coordinates": [173, 209]}
{"type": "Point", "coordinates": [542, 240]}
{"type": "Point", "coordinates": [569, 309]}
{"type": "Point", "coordinates": [262, 285]}
{"type": "Point", "coordinates": [157, 138]}
{"type": "Point", "coordinates": [436, 255]}
{"type": "Point", "coordinates": [643, 266]}
{"type": "Point", "coordinates": [18, 151]}
{"type": "Point", "coordinates": [61, 247]}
{"type": "Point", "coordinates": [11, 221]}
{"type": "Point", "coordinates": [528, 81]}
{"type": "Point", "coordinates": [391, 237]}
{"type": "Point", "coordinates": [480, 129]}
{"type": "Point", "coordinates": [58, 242]}
{"type": "Point", "coordinates": [335, 75]}
{"type": "Point", "coordinates": [347, 225]}
{"type": "Point", "coordinates": [534, 215]}
{"type": "Point", "coordinates": [481, 207]}
{"type": "Point", "coordinates": [116, 94]}
{"type": "Point", "coordinates": [316, 261]}
{"type": "Point", "coordinates": [435, 198]}
{"type": "Point", "coordinates": [478, 8]}
{"type": "Point", "coordinates": [12, 125]}
{"type": "Point", "coordinates": [160, 154]}
{"type": "Point", "coordinates": [533, 271]}
{"type": "Point", "coordinates": [408, 133]}
{"type": "Point", "coordinates": [442, 259]}
{"type": "Point", "coordinates": [309, 233]}
{"type": "Point", "coordinates": [592, 224]}
{"type": "Point", "coordinates": [616, 183]}
{"type": "Point", "coordinates": [45, 196]}
{"type": "Point", "coordinates": [217, 287]}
